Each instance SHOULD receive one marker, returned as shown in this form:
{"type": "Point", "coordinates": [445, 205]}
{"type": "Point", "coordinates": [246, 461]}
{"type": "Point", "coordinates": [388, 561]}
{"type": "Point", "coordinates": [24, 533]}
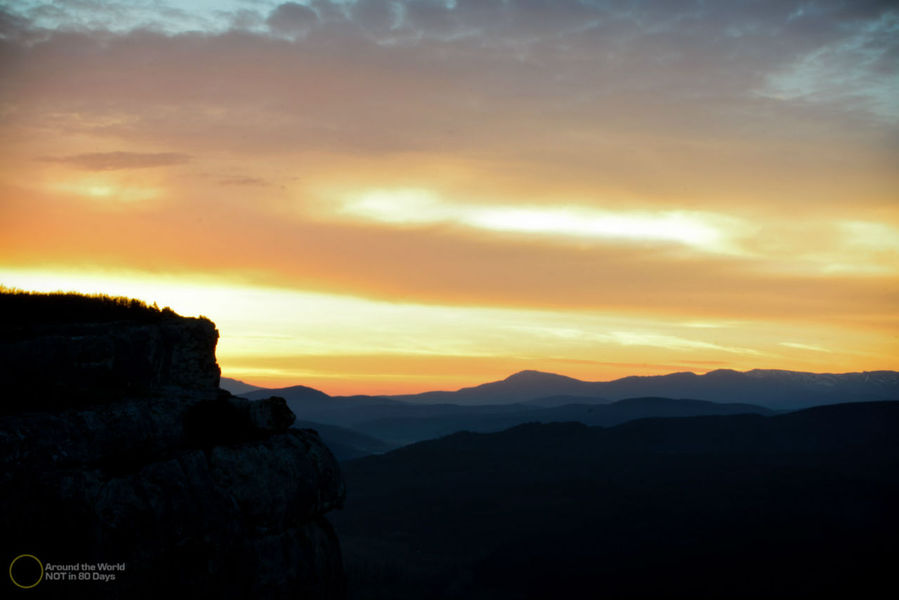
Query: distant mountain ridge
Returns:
{"type": "Point", "coordinates": [298, 392]}
{"type": "Point", "coordinates": [776, 389]}
{"type": "Point", "coordinates": [773, 388]}
{"type": "Point", "coordinates": [534, 396]}
{"type": "Point", "coordinates": [393, 422]}
{"type": "Point", "coordinates": [519, 387]}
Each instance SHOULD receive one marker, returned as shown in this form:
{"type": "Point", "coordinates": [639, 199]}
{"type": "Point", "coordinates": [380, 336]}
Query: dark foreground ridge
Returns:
{"type": "Point", "coordinates": [800, 505]}
{"type": "Point", "coordinates": [120, 455]}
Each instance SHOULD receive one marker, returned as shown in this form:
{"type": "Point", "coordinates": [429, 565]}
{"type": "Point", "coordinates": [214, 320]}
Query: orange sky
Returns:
{"type": "Point", "coordinates": [400, 196]}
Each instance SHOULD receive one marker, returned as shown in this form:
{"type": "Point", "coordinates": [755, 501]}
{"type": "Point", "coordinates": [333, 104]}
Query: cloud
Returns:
{"type": "Point", "coordinates": [114, 161]}
{"type": "Point", "coordinates": [243, 180]}
{"type": "Point", "coordinates": [799, 346]}
{"type": "Point", "coordinates": [291, 18]}
{"type": "Point", "coordinates": [11, 26]}
{"type": "Point", "coordinates": [855, 69]}
{"type": "Point", "coordinates": [625, 107]}
{"type": "Point", "coordinates": [631, 338]}
{"type": "Point", "coordinates": [403, 207]}
{"type": "Point", "coordinates": [635, 116]}
{"type": "Point", "coordinates": [555, 77]}
{"type": "Point", "coordinates": [120, 16]}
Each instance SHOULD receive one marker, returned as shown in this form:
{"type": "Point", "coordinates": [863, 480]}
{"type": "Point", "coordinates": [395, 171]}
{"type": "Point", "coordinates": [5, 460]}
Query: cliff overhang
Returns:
{"type": "Point", "coordinates": [118, 447]}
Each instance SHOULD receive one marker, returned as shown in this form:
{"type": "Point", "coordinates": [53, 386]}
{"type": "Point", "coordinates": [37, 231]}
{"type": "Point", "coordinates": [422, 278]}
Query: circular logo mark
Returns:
{"type": "Point", "coordinates": [26, 571]}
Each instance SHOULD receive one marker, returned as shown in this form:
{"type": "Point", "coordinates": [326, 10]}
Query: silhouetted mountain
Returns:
{"type": "Point", "coordinates": [296, 393]}
{"type": "Point", "coordinates": [772, 388]}
{"type": "Point", "coordinates": [526, 385]}
{"type": "Point", "coordinates": [747, 506]}
{"type": "Point", "coordinates": [397, 423]}
{"type": "Point", "coordinates": [344, 443]}
{"type": "Point", "coordinates": [546, 398]}
{"type": "Point", "coordinates": [237, 387]}
{"type": "Point", "coordinates": [356, 412]}
{"type": "Point", "coordinates": [343, 411]}
{"type": "Point", "coordinates": [552, 401]}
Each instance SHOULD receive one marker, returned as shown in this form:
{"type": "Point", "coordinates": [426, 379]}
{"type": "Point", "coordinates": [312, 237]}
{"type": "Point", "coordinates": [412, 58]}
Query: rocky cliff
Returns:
{"type": "Point", "coordinates": [125, 472]}
{"type": "Point", "coordinates": [68, 364]}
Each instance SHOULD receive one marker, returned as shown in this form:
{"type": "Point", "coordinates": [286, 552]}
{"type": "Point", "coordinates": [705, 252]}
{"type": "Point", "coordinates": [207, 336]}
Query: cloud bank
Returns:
{"type": "Point", "coordinates": [692, 161]}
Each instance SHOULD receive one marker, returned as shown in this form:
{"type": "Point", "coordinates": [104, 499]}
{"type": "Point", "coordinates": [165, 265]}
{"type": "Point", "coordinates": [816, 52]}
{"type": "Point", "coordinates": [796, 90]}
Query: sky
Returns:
{"type": "Point", "coordinates": [385, 196]}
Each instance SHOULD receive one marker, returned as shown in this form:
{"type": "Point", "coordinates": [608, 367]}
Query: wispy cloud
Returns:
{"type": "Point", "coordinates": [631, 338]}
{"type": "Point", "coordinates": [243, 180]}
{"type": "Point", "coordinates": [703, 231]}
{"type": "Point", "coordinates": [857, 68]}
{"type": "Point", "coordinates": [799, 346]}
{"type": "Point", "coordinates": [114, 161]}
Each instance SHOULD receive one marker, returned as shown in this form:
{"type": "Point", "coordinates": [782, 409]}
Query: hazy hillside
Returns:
{"type": "Point", "coordinates": [416, 425]}
{"type": "Point", "coordinates": [796, 505]}
{"type": "Point", "coordinates": [394, 423]}
{"type": "Point", "coordinates": [344, 443]}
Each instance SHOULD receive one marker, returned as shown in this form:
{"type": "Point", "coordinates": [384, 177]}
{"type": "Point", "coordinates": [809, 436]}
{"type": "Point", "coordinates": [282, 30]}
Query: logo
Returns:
{"type": "Point", "coordinates": [22, 571]}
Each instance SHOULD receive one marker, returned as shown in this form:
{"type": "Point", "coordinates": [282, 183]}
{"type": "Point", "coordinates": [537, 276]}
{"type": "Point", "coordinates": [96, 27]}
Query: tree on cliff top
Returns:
{"type": "Point", "coordinates": [19, 308]}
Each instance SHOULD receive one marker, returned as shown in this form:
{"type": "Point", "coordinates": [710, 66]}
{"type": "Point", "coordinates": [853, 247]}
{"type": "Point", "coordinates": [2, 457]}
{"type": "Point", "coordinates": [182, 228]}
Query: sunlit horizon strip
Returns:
{"type": "Point", "coordinates": [262, 326]}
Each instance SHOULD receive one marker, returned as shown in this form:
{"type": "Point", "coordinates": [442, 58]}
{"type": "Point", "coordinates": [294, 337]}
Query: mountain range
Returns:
{"type": "Point", "coordinates": [772, 388]}
{"type": "Point", "coordinates": [775, 389]}
{"type": "Point", "coordinates": [532, 396]}
{"type": "Point", "coordinates": [797, 505]}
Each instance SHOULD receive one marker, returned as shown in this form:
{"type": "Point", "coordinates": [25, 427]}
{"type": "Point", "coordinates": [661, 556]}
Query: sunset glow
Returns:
{"type": "Point", "coordinates": [386, 197]}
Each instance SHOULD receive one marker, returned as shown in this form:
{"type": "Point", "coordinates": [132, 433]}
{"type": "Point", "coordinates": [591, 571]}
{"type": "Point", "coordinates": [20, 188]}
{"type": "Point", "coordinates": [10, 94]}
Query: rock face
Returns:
{"type": "Point", "coordinates": [72, 364]}
{"type": "Point", "coordinates": [124, 451]}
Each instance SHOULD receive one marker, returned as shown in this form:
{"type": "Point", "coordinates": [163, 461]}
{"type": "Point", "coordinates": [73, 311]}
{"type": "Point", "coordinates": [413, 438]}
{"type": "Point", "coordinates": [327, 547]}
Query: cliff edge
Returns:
{"type": "Point", "coordinates": [125, 472]}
